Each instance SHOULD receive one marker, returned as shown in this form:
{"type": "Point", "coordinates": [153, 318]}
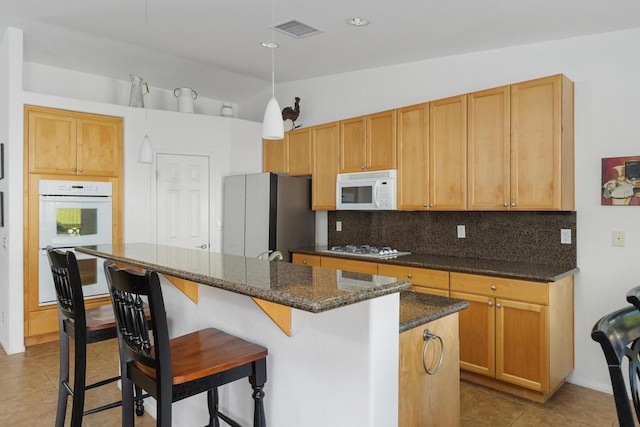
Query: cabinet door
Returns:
{"type": "Point", "coordinates": [488, 149]}
{"type": "Point", "coordinates": [542, 145]}
{"type": "Point", "coordinates": [413, 157]}
{"type": "Point", "coordinates": [99, 146]}
{"type": "Point", "coordinates": [422, 277]}
{"type": "Point", "coordinates": [521, 344]}
{"type": "Point", "coordinates": [429, 400]}
{"type": "Point", "coordinates": [349, 265]}
{"type": "Point", "coordinates": [477, 334]}
{"type": "Point", "coordinates": [299, 143]}
{"type": "Point", "coordinates": [305, 259]}
{"type": "Point", "coordinates": [52, 142]}
{"type": "Point", "coordinates": [352, 145]}
{"type": "Point", "coordinates": [274, 156]}
{"type": "Point", "coordinates": [448, 154]}
{"type": "Point", "coordinates": [381, 141]}
{"type": "Point", "coordinates": [326, 163]}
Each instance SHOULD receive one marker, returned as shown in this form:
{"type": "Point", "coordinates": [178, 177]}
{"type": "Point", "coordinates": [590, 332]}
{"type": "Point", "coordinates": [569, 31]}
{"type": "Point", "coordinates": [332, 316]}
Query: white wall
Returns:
{"type": "Point", "coordinates": [605, 69]}
{"type": "Point", "coordinates": [11, 271]}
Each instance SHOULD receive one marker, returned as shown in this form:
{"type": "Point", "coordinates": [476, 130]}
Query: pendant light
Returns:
{"type": "Point", "coordinates": [145, 153]}
{"type": "Point", "coordinates": [272, 123]}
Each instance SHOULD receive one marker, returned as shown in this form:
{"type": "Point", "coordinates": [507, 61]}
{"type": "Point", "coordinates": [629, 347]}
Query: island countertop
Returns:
{"type": "Point", "coordinates": [311, 289]}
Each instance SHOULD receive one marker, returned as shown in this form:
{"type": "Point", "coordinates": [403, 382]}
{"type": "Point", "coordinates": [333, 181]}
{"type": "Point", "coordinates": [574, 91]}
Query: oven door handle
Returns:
{"type": "Point", "coordinates": [97, 199]}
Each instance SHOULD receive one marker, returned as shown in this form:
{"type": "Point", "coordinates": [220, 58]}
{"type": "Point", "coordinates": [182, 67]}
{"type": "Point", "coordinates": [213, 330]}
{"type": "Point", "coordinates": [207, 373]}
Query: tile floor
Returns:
{"type": "Point", "coordinates": [28, 393]}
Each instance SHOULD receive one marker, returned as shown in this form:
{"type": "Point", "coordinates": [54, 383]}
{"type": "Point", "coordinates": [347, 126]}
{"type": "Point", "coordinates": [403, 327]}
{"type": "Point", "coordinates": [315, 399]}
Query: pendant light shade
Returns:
{"type": "Point", "coordinates": [272, 123]}
{"type": "Point", "coordinates": [145, 154]}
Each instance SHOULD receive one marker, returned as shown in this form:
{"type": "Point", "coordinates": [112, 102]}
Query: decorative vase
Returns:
{"type": "Point", "coordinates": [136, 98]}
{"type": "Point", "coordinates": [226, 110]}
{"type": "Point", "coordinates": [185, 96]}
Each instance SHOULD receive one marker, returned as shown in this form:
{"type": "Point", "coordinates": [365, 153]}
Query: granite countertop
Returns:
{"type": "Point", "coordinates": [311, 289]}
{"type": "Point", "coordinates": [507, 269]}
{"type": "Point", "coordinates": [417, 308]}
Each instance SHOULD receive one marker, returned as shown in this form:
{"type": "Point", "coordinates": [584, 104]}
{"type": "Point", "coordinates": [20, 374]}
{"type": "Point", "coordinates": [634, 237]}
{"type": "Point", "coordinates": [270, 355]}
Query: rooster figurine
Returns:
{"type": "Point", "coordinates": [292, 114]}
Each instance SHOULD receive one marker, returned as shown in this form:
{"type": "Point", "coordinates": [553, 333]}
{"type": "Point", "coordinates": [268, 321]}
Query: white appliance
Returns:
{"type": "Point", "coordinates": [74, 213]}
{"type": "Point", "coordinates": [376, 190]}
{"type": "Point", "coordinates": [265, 212]}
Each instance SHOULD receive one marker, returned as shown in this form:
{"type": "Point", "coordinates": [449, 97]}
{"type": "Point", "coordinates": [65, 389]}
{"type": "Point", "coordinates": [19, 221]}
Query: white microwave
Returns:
{"type": "Point", "coordinates": [376, 190]}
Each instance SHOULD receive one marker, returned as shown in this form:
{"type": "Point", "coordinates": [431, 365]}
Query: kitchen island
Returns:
{"type": "Point", "coordinates": [339, 364]}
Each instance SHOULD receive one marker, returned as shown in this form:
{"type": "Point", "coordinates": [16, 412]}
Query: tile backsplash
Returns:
{"type": "Point", "coordinates": [532, 237]}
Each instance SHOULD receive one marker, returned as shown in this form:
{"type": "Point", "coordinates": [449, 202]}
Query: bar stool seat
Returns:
{"type": "Point", "coordinates": [173, 369]}
{"type": "Point", "coordinates": [84, 326]}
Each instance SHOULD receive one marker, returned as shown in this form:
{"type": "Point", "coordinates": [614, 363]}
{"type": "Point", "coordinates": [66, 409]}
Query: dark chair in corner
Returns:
{"type": "Point", "coordinates": [173, 369]}
{"type": "Point", "coordinates": [619, 335]}
{"type": "Point", "coordinates": [85, 326]}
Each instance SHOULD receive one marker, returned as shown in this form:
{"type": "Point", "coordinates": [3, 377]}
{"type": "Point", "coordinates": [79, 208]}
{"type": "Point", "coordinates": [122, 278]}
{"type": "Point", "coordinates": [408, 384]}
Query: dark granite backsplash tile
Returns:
{"type": "Point", "coordinates": [532, 237]}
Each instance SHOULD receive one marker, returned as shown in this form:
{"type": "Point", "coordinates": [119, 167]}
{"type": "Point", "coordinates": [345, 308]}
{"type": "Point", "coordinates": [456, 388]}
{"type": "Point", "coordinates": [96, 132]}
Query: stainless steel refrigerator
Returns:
{"type": "Point", "coordinates": [265, 212]}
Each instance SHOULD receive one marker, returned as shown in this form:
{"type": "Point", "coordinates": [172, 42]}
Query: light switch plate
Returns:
{"type": "Point", "coordinates": [338, 225]}
{"type": "Point", "coordinates": [565, 236]}
{"type": "Point", "coordinates": [618, 238]}
{"type": "Point", "coordinates": [462, 233]}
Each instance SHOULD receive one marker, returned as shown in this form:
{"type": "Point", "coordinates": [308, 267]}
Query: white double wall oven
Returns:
{"type": "Point", "coordinates": [74, 213]}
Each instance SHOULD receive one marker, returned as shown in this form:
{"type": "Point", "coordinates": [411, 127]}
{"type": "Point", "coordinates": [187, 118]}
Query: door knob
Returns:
{"type": "Point", "coordinates": [203, 246]}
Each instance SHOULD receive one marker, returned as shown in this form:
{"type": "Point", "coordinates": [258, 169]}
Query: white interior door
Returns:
{"type": "Point", "coordinates": [183, 201]}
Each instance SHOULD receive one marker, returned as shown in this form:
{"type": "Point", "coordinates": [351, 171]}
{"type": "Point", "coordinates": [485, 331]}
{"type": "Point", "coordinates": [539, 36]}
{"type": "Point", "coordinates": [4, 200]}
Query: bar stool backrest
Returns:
{"type": "Point", "coordinates": [148, 348]}
{"type": "Point", "coordinates": [619, 336]}
{"type": "Point", "coordinates": [66, 279]}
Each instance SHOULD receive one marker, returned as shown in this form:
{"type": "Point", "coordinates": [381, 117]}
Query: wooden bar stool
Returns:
{"type": "Point", "coordinates": [85, 326]}
{"type": "Point", "coordinates": [173, 369]}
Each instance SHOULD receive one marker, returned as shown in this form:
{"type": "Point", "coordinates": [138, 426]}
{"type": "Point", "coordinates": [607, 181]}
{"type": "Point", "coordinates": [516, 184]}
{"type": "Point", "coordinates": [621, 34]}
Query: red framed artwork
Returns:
{"type": "Point", "coordinates": [621, 181]}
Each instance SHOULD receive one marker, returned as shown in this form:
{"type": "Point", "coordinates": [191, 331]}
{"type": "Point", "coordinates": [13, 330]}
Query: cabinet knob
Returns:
{"type": "Point", "coordinates": [304, 262]}
{"type": "Point", "coordinates": [428, 337]}
{"type": "Point", "coordinates": [498, 305]}
{"type": "Point", "coordinates": [505, 204]}
{"type": "Point", "coordinates": [490, 304]}
{"type": "Point", "coordinates": [493, 287]}
{"type": "Point", "coordinates": [79, 170]}
{"type": "Point", "coordinates": [424, 205]}
{"type": "Point", "coordinates": [430, 205]}
{"type": "Point", "coordinates": [74, 170]}
{"type": "Point", "coordinates": [513, 204]}
{"type": "Point", "coordinates": [409, 276]}
{"type": "Point", "coordinates": [363, 167]}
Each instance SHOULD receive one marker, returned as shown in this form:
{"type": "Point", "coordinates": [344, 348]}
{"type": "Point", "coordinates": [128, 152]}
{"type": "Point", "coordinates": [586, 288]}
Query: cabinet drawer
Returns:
{"type": "Point", "coordinates": [349, 265]}
{"type": "Point", "coordinates": [521, 290]}
{"type": "Point", "coordinates": [311, 260]}
{"type": "Point", "coordinates": [431, 291]}
{"type": "Point", "coordinates": [417, 276]}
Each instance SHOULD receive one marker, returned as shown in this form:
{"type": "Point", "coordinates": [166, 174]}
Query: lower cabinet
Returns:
{"type": "Point", "coordinates": [430, 399]}
{"type": "Point", "coordinates": [349, 265]}
{"type": "Point", "coordinates": [310, 260]}
{"type": "Point", "coordinates": [424, 280]}
{"type": "Point", "coordinates": [517, 332]}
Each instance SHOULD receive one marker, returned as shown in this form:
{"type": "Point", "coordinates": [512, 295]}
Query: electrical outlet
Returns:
{"type": "Point", "coordinates": [565, 236]}
{"type": "Point", "coordinates": [462, 233]}
{"type": "Point", "coordinates": [618, 238]}
{"type": "Point", "coordinates": [338, 225]}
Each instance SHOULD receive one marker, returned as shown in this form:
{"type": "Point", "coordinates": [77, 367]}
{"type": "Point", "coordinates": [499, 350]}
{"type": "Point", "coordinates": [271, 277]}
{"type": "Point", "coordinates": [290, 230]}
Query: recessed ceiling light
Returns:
{"type": "Point", "coordinates": [270, 45]}
{"type": "Point", "coordinates": [357, 22]}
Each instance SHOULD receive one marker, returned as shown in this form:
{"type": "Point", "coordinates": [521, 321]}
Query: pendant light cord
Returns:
{"type": "Point", "coordinates": [273, 48]}
{"type": "Point", "coordinates": [146, 45]}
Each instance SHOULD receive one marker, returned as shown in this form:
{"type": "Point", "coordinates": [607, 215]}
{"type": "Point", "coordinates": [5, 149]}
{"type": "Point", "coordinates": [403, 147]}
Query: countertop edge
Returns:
{"type": "Point", "coordinates": [439, 307]}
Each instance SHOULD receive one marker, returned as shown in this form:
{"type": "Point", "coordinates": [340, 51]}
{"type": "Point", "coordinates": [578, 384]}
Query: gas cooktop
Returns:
{"type": "Point", "coordinates": [367, 251]}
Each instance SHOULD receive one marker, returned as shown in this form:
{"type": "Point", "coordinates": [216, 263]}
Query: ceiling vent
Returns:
{"type": "Point", "coordinates": [297, 29]}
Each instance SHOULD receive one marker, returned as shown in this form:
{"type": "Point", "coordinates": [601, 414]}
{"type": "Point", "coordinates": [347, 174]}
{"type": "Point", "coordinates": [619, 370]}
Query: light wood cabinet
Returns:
{"type": "Point", "coordinates": [326, 164]}
{"type": "Point", "coordinates": [305, 259]}
{"type": "Point", "coordinates": [275, 156]}
{"type": "Point", "coordinates": [448, 154]}
{"type": "Point", "coordinates": [489, 149]}
{"type": "Point", "coordinates": [542, 146]}
{"type": "Point", "coordinates": [424, 280]}
{"type": "Point", "coordinates": [413, 157]}
{"type": "Point", "coordinates": [515, 332]}
{"type": "Point", "coordinates": [430, 400]}
{"type": "Point", "coordinates": [349, 265]}
{"type": "Point", "coordinates": [368, 143]}
{"type": "Point", "coordinates": [67, 143]}
{"type": "Point", "coordinates": [520, 146]}
{"type": "Point", "coordinates": [299, 144]}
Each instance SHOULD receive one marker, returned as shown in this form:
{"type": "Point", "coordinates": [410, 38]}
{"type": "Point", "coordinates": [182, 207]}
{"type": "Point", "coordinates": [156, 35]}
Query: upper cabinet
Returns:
{"type": "Point", "coordinates": [326, 162]}
{"type": "Point", "coordinates": [275, 156]}
{"type": "Point", "coordinates": [520, 146]}
{"type": "Point", "coordinates": [413, 157]}
{"type": "Point", "coordinates": [299, 146]}
{"type": "Point", "coordinates": [542, 148]}
{"type": "Point", "coordinates": [448, 154]}
{"type": "Point", "coordinates": [69, 143]}
{"type": "Point", "coordinates": [368, 143]}
{"type": "Point", "coordinates": [489, 149]}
